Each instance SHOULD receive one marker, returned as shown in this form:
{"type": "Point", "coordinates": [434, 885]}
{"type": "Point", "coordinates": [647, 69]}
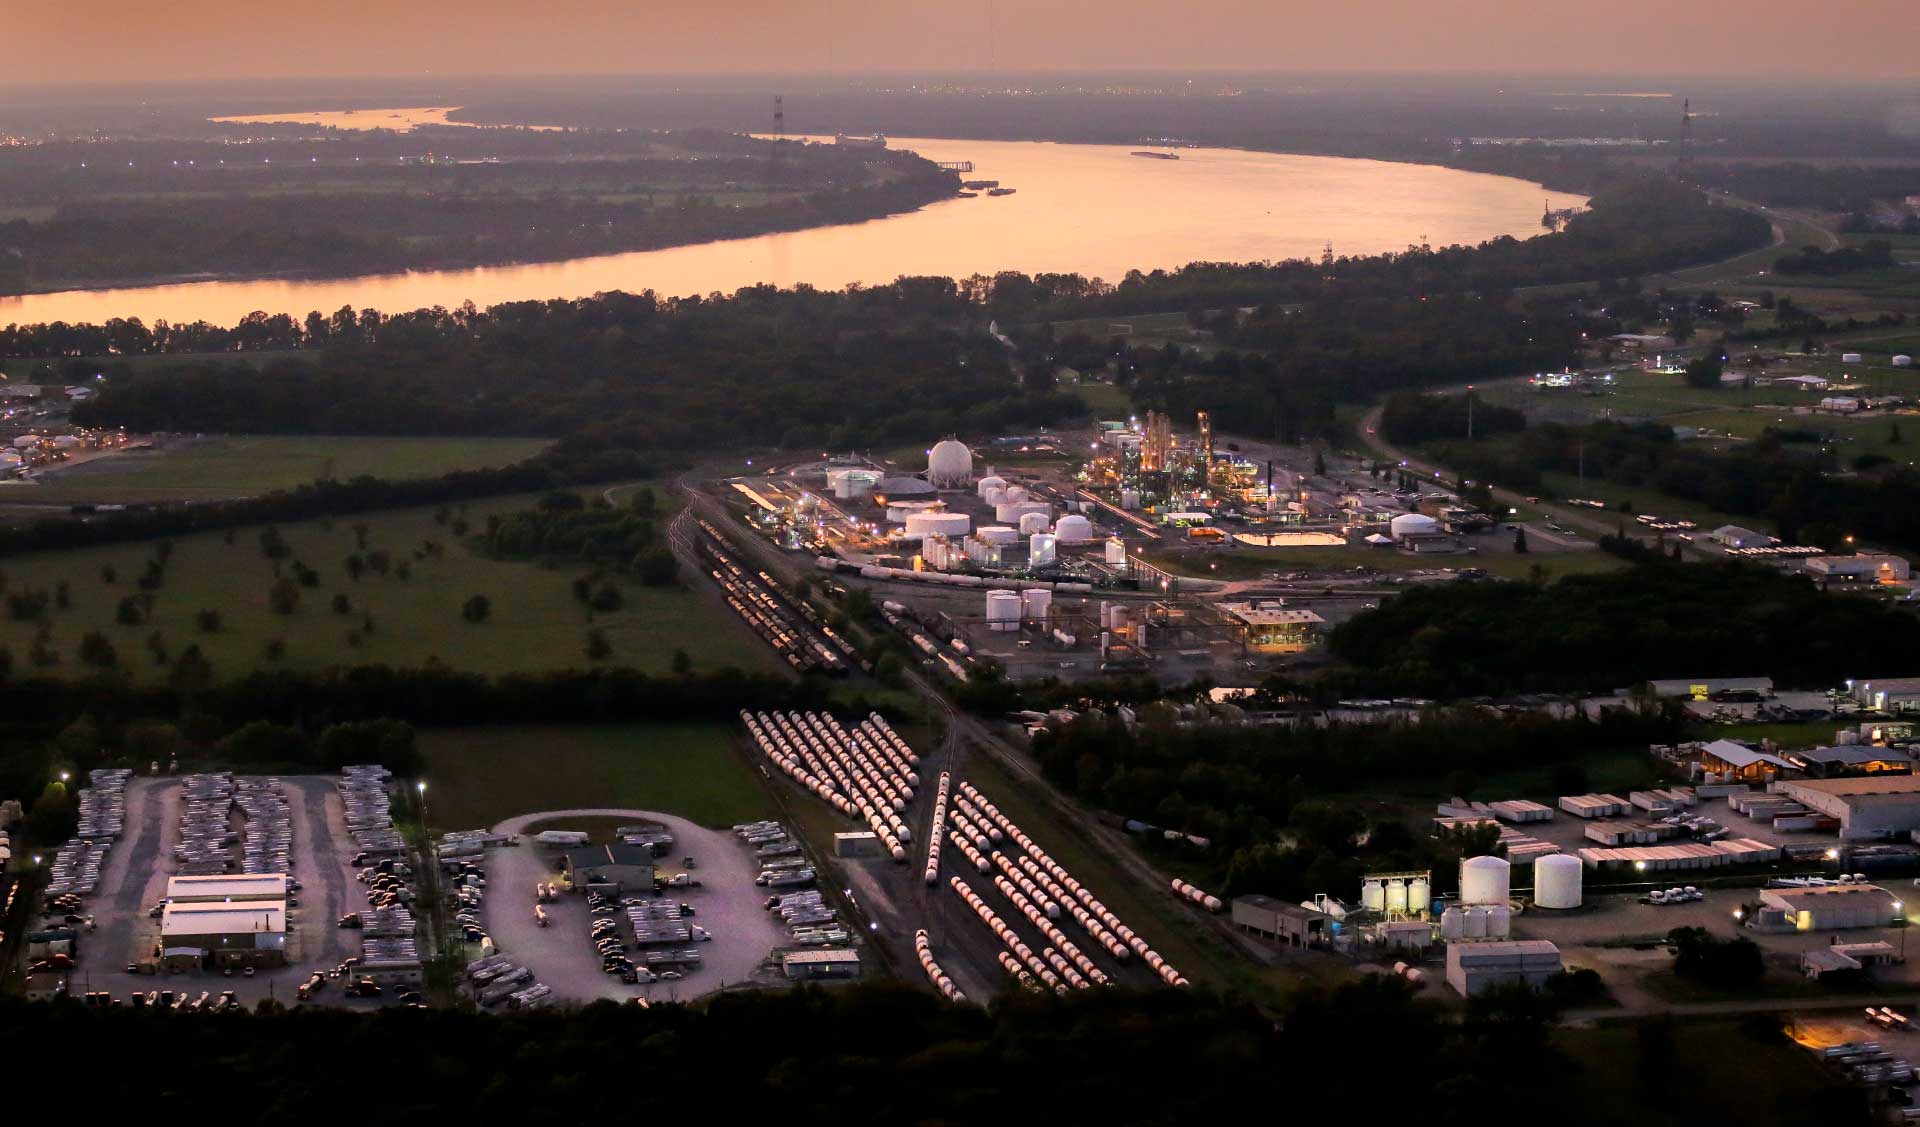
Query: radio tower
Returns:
{"type": "Point", "coordinates": [1684, 171]}
{"type": "Point", "coordinates": [779, 134]}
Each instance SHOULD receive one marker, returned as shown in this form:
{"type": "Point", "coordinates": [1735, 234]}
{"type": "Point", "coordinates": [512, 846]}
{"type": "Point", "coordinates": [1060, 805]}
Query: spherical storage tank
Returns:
{"type": "Point", "coordinates": [1003, 611]}
{"type": "Point", "coordinates": [946, 524]}
{"type": "Point", "coordinates": [1414, 524]}
{"type": "Point", "coordinates": [949, 464]}
{"type": "Point", "coordinates": [1031, 523]}
{"type": "Point", "coordinates": [1485, 880]}
{"type": "Point", "coordinates": [1557, 880]}
{"type": "Point", "coordinates": [1073, 529]}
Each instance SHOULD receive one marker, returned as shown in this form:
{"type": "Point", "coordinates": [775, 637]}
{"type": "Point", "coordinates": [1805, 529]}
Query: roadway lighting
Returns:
{"type": "Point", "coordinates": [1833, 854]}
{"type": "Point", "coordinates": [64, 776]}
{"type": "Point", "coordinates": [36, 859]}
{"type": "Point", "coordinates": [421, 786]}
{"type": "Point", "coordinates": [1640, 866]}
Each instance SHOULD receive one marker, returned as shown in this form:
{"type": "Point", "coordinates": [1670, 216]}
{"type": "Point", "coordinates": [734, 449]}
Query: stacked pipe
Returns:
{"type": "Point", "coordinates": [1086, 910]}
{"type": "Point", "coordinates": [1186, 891]}
{"type": "Point", "coordinates": [933, 834]}
{"type": "Point", "coordinates": [924, 948]}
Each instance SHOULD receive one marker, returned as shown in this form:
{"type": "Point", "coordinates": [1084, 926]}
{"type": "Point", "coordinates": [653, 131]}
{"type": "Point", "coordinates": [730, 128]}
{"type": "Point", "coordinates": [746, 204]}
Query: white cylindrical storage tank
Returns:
{"type": "Point", "coordinates": [987, 483]}
{"type": "Point", "coordinates": [1010, 512]}
{"type": "Point", "coordinates": [994, 495]}
{"type": "Point", "coordinates": [1485, 880]}
{"type": "Point", "coordinates": [1453, 924]}
{"type": "Point", "coordinates": [1557, 881]}
{"type": "Point", "coordinates": [26, 440]}
{"type": "Point", "coordinates": [1903, 361]}
{"type": "Point", "coordinates": [1074, 529]}
{"type": "Point", "coordinates": [1396, 896]}
{"type": "Point", "coordinates": [1476, 920]}
{"type": "Point", "coordinates": [949, 465]}
{"type": "Point", "coordinates": [1499, 922]}
{"type": "Point", "coordinates": [1036, 604]}
{"type": "Point", "coordinates": [1849, 357]}
{"type": "Point", "coordinates": [946, 524]}
{"type": "Point", "coordinates": [1373, 896]}
{"type": "Point", "coordinates": [1419, 894]}
{"type": "Point", "coordinates": [1031, 523]}
{"type": "Point", "coordinates": [998, 534]}
{"type": "Point", "coordinates": [1413, 524]}
{"type": "Point", "coordinates": [65, 442]}
{"type": "Point", "coordinates": [1003, 611]}
{"type": "Point", "coordinates": [1040, 549]}
{"type": "Point", "coordinates": [1116, 553]}
{"type": "Point", "coordinates": [1016, 494]}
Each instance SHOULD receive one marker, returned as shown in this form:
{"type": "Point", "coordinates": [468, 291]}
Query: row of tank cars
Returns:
{"type": "Point", "coordinates": [791, 626]}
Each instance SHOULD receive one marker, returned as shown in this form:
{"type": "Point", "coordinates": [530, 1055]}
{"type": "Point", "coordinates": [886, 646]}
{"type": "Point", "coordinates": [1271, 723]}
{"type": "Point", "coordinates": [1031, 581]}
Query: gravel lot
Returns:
{"type": "Point", "coordinates": [729, 906]}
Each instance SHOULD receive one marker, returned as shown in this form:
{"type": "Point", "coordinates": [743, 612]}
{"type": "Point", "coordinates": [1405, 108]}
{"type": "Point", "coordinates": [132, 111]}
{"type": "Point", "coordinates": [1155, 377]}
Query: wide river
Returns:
{"type": "Point", "coordinates": [1094, 210]}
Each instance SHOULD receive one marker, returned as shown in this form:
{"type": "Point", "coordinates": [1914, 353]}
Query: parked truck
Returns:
{"type": "Point", "coordinates": [565, 839]}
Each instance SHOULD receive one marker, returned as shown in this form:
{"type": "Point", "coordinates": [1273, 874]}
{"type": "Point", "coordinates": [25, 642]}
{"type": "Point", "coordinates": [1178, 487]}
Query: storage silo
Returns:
{"type": "Point", "coordinates": [1396, 895]}
{"type": "Point", "coordinates": [1003, 611]}
{"type": "Point", "coordinates": [1485, 880]}
{"type": "Point", "coordinates": [1557, 881]}
{"type": "Point", "coordinates": [1419, 895]}
{"type": "Point", "coordinates": [1499, 922]}
{"type": "Point", "coordinates": [1016, 493]}
{"type": "Point", "coordinates": [1031, 523]}
{"type": "Point", "coordinates": [1116, 553]}
{"type": "Point", "coordinates": [1040, 548]}
{"type": "Point", "coordinates": [1373, 896]}
{"type": "Point", "coordinates": [1073, 529]}
{"type": "Point", "coordinates": [1036, 604]}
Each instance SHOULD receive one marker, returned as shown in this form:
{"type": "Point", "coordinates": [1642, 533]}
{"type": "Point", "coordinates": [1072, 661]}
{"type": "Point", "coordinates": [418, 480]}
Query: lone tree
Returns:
{"type": "Point", "coordinates": [598, 648]}
{"type": "Point", "coordinates": [476, 609]}
{"type": "Point", "coordinates": [284, 597]}
{"type": "Point", "coordinates": [1704, 373]}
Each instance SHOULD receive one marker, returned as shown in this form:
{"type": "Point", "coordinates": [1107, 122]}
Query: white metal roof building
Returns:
{"type": "Point", "coordinates": [1888, 694]}
{"type": "Point", "coordinates": [1833, 907]}
{"type": "Point", "coordinates": [214, 927]}
{"type": "Point", "coordinates": [827, 963]}
{"type": "Point", "coordinates": [1872, 807]}
{"type": "Point", "coordinates": [1474, 968]}
{"type": "Point", "coordinates": [219, 887]}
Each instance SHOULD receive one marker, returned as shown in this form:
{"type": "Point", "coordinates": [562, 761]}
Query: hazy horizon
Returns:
{"type": "Point", "coordinates": [116, 42]}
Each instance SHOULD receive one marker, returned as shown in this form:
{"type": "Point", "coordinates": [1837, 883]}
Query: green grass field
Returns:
{"type": "Point", "coordinates": [1720, 1069]}
{"type": "Point", "coordinates": [248, 465]}
{"type": "Point", "coordinates": [535, 624]}
{"type": "Point", "coordinates": [479, 776]}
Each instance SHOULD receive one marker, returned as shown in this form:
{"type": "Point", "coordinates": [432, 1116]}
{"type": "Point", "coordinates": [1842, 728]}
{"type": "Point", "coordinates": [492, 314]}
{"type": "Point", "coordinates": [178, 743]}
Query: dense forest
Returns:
{"type": "Point", "coordinates": [1594, 633]}
{"type": "Point", "coordinates": [194, 208]}
{"type": "Point", "coordinates": [806, 1057]}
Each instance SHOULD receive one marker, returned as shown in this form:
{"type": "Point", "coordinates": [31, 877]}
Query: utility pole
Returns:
{"type": "Point", "coordinates": [1469, 412]}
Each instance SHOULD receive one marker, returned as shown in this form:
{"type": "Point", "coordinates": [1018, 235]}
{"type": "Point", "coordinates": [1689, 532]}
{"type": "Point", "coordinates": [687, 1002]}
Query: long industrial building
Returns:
{"type": "Point", "coordinates": [1867, 808]}
{"type": "Point", "coordinates": [1832, 907]}
{"type": "Point", "coordinates": [1474, 968]}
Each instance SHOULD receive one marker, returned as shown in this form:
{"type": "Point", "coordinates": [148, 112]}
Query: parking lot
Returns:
{"type": "Point", "coordinates": [728, 905]}
{"type": "Point", "coordinates": [135, 878]}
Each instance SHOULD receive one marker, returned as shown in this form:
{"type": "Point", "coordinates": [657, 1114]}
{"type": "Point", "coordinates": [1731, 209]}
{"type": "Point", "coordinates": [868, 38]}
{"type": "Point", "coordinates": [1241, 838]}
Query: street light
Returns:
{"type": "Point", "coordinates": [64, 776]}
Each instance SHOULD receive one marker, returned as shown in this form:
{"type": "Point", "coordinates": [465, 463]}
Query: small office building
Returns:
{"type": "Point", "coordinates": [1724, 757]}
{"type": "Point", "coordinates": [1291, 924]}
{"type": "Point", "coordinates": [1270, 626]}
{"type": "Point", "coordinates": [802, 966]}
{"type": "Point", "coordinates": [610, 868]}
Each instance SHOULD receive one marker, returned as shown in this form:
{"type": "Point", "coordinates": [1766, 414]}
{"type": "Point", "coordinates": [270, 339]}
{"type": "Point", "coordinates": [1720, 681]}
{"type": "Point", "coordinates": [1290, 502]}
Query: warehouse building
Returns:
{"type": "Point", "coordinates": [221, 934]}
{"type": "Point", "coordinates": [1864, 567]}
{"type": "Point", "coordinates": [1832, 907]}
{"type": "Point", "coordinates": [227, 888]}
{"type": "Point", "coordinates": [616, 868]}
{"type": "Point", "coordinates": [1850, 761]}
{"type": "Point", "coordinates": [1734, 536]}
{"type": "Point", "coordinates": [1700, 688]}
{"type": "Point", "coordinates": [1732, 760]}
{"type": "Point", "coordinates": [1475, 968]}
{"type": "Point", "coordinates": [832, 963]}
{"type": "Point", "coordinates": [1867, 808]}
{"type": "Point", "coordinates": [1291, 924]}
{"type": "Point", "coordinates": [1888, 694]}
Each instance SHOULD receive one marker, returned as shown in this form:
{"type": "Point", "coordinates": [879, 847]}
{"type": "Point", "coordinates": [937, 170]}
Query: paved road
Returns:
{"type": "Point", "coordinates": [560, 955]}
